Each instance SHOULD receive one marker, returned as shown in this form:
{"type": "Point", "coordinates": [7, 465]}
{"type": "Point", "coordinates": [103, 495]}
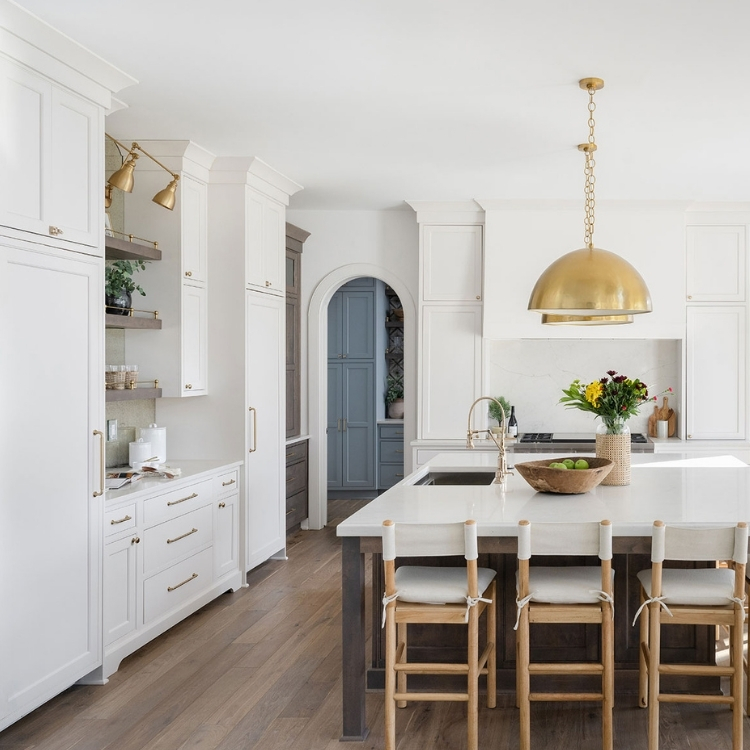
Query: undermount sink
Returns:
{"type": "Point", "coordinates": [461, 477]}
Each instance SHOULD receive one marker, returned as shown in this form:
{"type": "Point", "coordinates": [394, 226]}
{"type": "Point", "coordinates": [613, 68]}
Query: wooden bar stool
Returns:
{"type": "Point", "coordinates": [436, 595]}
{"type": "Point", "coordinates": [713, 596]}
{"type": "Point", "coordinates": [576, 594]}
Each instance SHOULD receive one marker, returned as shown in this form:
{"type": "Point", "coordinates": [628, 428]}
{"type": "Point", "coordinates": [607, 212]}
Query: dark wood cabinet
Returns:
{"type": "Point", "coordinates": [295, 239]}
{"type": "Point", "coordinates": [296, 484]}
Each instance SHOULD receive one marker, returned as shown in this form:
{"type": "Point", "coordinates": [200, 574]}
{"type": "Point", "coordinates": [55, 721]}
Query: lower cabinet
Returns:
{"type": "Point", "coordinates": [390, 454]}
{"type": "Point", "coordinates": [296, 483]}
{"type": "Point", "coordinates": [167, 553]}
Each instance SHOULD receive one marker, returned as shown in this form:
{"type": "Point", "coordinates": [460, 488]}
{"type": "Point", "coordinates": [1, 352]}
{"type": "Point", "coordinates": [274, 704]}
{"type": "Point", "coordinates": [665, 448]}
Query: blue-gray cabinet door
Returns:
{"type": "Point", "coordinates": [359, 425]}
{"type": "Point", "coordinates": [334, 433]}
{"type": "Point", "coordinates": [351, 325]}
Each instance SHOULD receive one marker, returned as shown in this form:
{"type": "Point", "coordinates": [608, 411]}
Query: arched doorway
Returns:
{"type": "Point", "coordinates": [318, 364]}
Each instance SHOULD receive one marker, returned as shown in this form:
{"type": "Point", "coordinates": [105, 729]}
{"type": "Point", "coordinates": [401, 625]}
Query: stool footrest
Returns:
{"type": "Point", "coordinates": [686, 698]}
{"type": "Point", "coordinates": [696, 669]}
{"type": "Point", "coordinates": [463, 697]}
{"type": "Point", "coordinates": [566, 697]}
{"type": "Point", "coordinates": [430, 668]}
{"type": "Point", "coordinates": [559, 668]}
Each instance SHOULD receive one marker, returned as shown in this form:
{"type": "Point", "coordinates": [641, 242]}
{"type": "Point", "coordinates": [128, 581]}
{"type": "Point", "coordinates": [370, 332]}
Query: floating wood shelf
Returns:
{"type": "Point", "coordinates": [119, 249]}
{"type": "Point", "coordinates": [136, 394]}
{"type": "Point", "coordinates": [130, 321]}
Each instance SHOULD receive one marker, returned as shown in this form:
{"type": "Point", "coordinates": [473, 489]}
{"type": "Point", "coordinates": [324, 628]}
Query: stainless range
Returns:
{"type": "Point", "coordinates": [573, 442]}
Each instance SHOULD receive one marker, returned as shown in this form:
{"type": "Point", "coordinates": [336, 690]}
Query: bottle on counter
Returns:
{"type": "Point", "coordinates": [512, 423]}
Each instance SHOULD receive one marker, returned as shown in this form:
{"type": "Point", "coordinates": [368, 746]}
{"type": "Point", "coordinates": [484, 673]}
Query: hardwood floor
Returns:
{"type": "Point", "coordinates": [260, 669]}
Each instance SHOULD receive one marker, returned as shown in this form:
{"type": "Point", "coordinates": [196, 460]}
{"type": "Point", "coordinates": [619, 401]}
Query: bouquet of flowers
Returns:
{"type": "Point", "coordinates": [614, 398]}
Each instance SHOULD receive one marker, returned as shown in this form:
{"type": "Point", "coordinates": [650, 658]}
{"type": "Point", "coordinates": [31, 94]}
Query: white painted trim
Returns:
{"type": "Point", "coordinates": [318, 373]}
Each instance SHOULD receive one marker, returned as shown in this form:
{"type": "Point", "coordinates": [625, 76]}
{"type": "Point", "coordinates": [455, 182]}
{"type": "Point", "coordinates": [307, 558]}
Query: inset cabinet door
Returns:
{"type": "Point", "coordinates": [226, 535]}
{"type": "Point", "coordinates": [452, 263]}
{"type": "Point", "coordinates": [120, 592]}
{"type": "Point", "coordinates": [194, 340]}
{"type": "Point", "coordinates": [716, 261]}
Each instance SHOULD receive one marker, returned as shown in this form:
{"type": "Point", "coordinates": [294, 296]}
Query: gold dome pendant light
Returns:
{"type": "Point", "coordinates": [590, 286]}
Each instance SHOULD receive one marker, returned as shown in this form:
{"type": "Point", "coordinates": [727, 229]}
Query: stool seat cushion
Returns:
{"type": "Point", "coordinates": [435, 585]}
{"type": "Point", "coordinates": [709, 587]}
{"type": "Point", "coordinates": [565, 585]}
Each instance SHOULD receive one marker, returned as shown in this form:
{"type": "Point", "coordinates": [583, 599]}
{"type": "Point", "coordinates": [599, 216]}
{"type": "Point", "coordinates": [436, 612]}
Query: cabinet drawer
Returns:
{"type": "Point", "coordinates": [390, 474]}
{"type": "Point", "coordinates": [172, 504]}
{"type": "Point", "coordinates": [119, 520]}
{"type": "Point", "coordinates": [296, 509]}
{"type": "Point", "coordinates": [227, 482]}
{"type": "Point", "coordinates": [391, 451]}
{"type": "Point", "coordinates": [174, 586]}
{"type": "Point", "coordinates": [389, 431]}
{"type": "Point", "coordinates": [296, 478]}
{"type": "Point", "coordinates": [171, 540]}
{"type": "Point", "coordinates": [296, 452]}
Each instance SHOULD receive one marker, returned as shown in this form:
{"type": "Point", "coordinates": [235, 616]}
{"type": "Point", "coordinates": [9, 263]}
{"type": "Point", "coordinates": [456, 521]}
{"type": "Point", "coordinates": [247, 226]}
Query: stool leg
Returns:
{"type": "Point", "coordinates": [642, 664]}
{"type": "Point", "coordinates": [401, 676]}
{"type": "Point", "coordinates": [472, 718]}
{"type": "Point", "coordinates": [736, 638]}
{"type": "Point", "coordinates": [608, 676]}
{"type": "Point", "coordinates": [492, 638]}
{"type": "Point", "coordinates": [390, 680]}
{"type": "Point", "coordinates": [522, 679]}
{"type": "Point", "coordinates": [654, 641]}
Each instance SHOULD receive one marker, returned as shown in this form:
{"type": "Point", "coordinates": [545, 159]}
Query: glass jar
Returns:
{"type": "Point", "coordinates": [613, 426]}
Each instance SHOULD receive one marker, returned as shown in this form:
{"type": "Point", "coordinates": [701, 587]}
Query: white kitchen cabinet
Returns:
{"type": "Point", "coordinates": [265, 328]}
{"type": "Point", "coordinates": [451, 268]}
{"type": "Point", "coordinates": [177, 287]}
{"type": "Point", "coordinates": [265, 234]}
{"type": "Point", "coordinates": [51, 181]}
{"type": "Point", "coordinates": [449, 369]}
{"type": "Point", "coordinates": [51, 339]}
{"type": "Point", "coordinates": [163, 539]}
{"type": "Point", "coordinates": [716, 263]}
{"type": "Point", "coordinates": [227, 525]}
{"type": "Point", "coordinates": [716, 378]}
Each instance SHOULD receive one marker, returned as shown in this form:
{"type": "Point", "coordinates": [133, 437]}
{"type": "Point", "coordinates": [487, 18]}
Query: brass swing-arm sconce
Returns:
{"type": "Point", "coordinates": [123, 177]}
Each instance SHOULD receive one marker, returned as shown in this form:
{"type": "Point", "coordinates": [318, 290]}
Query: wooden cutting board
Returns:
{"type": "Point", "coordinates": [652, 422]}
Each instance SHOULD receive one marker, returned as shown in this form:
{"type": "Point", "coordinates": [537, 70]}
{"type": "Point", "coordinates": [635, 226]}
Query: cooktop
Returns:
{"type": "Point", "coordinates": [572, 437]}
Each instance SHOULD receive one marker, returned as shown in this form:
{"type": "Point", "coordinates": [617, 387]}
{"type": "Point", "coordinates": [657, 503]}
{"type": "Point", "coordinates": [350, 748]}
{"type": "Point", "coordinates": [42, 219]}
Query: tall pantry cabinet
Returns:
{"type": "Point", "coordinates": [53, 95]}
{"type": "Point", "coordinates": [247, 209]}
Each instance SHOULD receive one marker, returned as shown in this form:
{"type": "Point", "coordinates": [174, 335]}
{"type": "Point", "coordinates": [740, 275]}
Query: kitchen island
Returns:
{"type": "Point", "coordinates": [672, 487]}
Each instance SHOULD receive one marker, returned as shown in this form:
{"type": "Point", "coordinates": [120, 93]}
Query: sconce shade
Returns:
{"type": "Point", "coordinates": [166, 197]}
{"type": "Point", "coordinates": [123, 179]}
{"type": "Point", "coordinates": [590, 282]}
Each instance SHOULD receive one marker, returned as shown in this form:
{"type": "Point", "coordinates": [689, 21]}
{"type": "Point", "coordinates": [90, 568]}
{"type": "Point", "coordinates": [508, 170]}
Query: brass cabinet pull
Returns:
{"type": "Point", "coordinates": [187, 580]}
{"type": "Point", "coordinates": [182, 536]}
{"type": "Point", "coordinates": [290, 479]}
{"type": "Point", "coordinates": [188, 386]}
{"type": "Point", "coordinates": [182, 500]}
{"type": "Point", "coordinates": [268, 283]}
{"type": "Point", "coordinates": [122, 520]}
{"type": "Point", "coordinates": [343, 425]}
{"type": "Point", "coordinates": [255, 429]}
{"type": "Point", "coordinates": [55, 231]}
{"type": "Point", "coordinates": [188, 273]}
{"type": "Point", "coordinates": [226, 484]}
{"type": "Point", "coordinates": [398, 450]}
{"type": "Point", "coordinates": [101, 464]}
{"type": "Point", "coordinates": [399, 432]}
{"type": "Point", "coordinates": [289, 455]}
{"type": "Point", "coordinates": [290, 511]}
{"type": "Point", "coordinates": [135, 540]}
{"type": "Point", "coordinates": [399, 475]}
{"type": "Point", "coordinates": [222, 505]}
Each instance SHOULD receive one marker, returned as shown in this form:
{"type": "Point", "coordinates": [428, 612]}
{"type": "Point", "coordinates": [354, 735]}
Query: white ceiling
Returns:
{"type": "Point", "coordinates": [367, 103]}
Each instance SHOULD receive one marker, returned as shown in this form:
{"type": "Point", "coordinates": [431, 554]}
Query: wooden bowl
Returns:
{"type": "Point", "coordinates": [565, 481]}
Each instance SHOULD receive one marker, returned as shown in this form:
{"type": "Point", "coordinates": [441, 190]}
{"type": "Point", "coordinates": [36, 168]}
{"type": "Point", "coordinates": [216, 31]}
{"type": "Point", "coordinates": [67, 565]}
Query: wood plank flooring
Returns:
{"type": "Point", "coordinates": [260, 669]}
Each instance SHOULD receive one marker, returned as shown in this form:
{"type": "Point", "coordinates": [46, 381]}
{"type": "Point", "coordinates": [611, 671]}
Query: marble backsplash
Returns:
{"type": "Point", "coordinates": [531, 374]}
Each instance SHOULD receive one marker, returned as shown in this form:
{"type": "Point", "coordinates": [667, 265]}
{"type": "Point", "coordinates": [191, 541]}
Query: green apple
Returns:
{"type": "Point", "coordinates": [582, 463]}
{"type": "Point", "coordinates": [569, 463]}
{"type": "Point", "coordinates": [558, 465]}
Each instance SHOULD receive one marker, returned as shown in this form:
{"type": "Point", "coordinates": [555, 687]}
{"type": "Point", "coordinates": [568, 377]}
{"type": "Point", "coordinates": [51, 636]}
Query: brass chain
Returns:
{"type": "Point", "coordinates": [589, 179]}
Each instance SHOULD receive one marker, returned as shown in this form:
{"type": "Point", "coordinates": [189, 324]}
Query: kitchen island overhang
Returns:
{"type": "Point", "coordinates": [676, 488]}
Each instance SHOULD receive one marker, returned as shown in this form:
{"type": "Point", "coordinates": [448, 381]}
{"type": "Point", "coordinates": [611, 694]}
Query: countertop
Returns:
{"type": "Point", "coordinates": [673, 487]}
{"type": "Point", "coordinates": [191, 470]}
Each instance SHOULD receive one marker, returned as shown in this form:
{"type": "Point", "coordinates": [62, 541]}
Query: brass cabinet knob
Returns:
{"type": "Point", "coordinates": [188, 386]}
{"type": "Point", "coordinates": [55, 231]}
{"type": "Point", "coordinates": [188, 273]}
{"type": "Point", "coordinates": [135, 540]}
{"type": "Point", "coordinates": [222, 505]}
{"type": "Point", "coordinates": [268, 283]}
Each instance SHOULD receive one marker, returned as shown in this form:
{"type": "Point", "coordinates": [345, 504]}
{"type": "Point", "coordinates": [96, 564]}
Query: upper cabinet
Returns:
{"type": "Point", "coordinates": [266, 230]}
{"type": "Point", "coordinates": [716, 261]}
{"type": "Point", "coordinates": [51, 179]}
{"type": "Point", "coordinates": [451, 263]}
{"type": "Point", "coordinates": [193, 215]}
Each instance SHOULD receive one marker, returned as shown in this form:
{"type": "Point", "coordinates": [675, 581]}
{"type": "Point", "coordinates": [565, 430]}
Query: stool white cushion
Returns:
{"type": "Point", "coordinates": [433, 585]}
{"type": "Point", "coordinates": [565, 585]}
{"type": "Point", "coordinates": [707, 587]}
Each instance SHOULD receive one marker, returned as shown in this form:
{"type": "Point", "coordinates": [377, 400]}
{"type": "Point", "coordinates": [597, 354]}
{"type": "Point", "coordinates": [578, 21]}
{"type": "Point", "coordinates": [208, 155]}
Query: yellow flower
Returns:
{"type": "Point", "coordinates": [594, 392]}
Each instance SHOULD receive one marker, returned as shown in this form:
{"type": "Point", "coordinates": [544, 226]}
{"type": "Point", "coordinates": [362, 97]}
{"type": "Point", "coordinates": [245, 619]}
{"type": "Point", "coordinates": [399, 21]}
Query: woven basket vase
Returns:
{"type": "Point", "coordinates": [617, 449]}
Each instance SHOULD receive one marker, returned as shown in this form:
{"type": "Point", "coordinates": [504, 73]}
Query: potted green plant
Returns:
{"type": "Point", "coordinates": [119, 285]}
{"type": "Point", "coordinates": [394, 397]}
{"type": "Point", "coordinates": [496, 414]}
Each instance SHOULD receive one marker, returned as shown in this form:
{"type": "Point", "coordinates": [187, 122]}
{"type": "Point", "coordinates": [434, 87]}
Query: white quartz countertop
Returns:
{"type": "Point", "coordinates": [191, 470]}
{"type": "Point", "coordinates": [673, 487]}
